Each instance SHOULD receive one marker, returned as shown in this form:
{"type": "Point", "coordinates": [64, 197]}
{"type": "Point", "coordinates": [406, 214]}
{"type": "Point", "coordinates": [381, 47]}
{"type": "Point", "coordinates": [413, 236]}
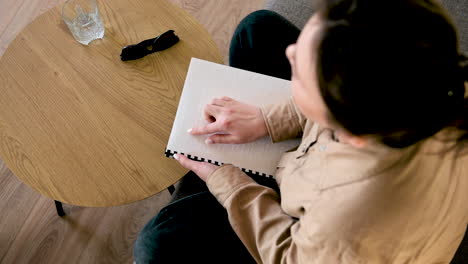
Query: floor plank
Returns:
{"type": "Point", "coordinates": [30, 230]}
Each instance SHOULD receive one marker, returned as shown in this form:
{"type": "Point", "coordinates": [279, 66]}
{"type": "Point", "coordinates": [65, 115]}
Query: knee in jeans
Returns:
{"type": "Point", "coordinates": [139, 248]}
{"type": "Point", "coordinates": [143, 249]}
{"type": "Point", "coordinates": [258, 21]}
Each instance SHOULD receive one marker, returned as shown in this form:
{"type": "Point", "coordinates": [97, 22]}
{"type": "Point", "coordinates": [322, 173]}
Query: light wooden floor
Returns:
{"type": "Point", "coordinates": [30, 230]}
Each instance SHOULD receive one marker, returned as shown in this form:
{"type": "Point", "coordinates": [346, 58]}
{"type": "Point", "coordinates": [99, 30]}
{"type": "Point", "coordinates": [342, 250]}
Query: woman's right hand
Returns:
{"type": "Point", "coordinates": [237, 122]}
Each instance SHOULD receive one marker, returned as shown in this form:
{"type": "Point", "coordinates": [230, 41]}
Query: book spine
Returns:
{"type": "Point", "coordinates": [170, 154]}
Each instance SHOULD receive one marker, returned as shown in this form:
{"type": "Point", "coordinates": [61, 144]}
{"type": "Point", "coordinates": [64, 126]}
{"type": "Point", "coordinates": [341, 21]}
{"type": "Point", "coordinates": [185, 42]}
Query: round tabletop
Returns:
{"type": "Point", "coordinates": [82, 127]}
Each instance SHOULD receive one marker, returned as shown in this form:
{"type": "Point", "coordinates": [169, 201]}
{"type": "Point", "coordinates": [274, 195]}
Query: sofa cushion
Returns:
{"type": "Point", "coordinates": [458, 9]}
{"type": "Point", "coordinates": [296, 11]}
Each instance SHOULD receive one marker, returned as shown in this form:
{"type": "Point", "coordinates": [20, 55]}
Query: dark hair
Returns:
{"type": "Point", "coordinates": [391, 69]}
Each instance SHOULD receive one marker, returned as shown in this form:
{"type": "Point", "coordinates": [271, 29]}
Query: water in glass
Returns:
{"type": "Point", "coordinates": [84, 23]}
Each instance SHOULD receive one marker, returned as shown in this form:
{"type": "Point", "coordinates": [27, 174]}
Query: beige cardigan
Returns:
{"type": "Point", "coordinates": [340, 204]}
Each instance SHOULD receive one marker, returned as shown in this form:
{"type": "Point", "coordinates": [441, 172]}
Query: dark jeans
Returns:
{"type": "Point", "coordinates": [196, 229]}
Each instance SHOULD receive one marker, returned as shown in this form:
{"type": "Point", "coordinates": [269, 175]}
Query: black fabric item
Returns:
{"type": "Point", "coordinates": [149, 46]}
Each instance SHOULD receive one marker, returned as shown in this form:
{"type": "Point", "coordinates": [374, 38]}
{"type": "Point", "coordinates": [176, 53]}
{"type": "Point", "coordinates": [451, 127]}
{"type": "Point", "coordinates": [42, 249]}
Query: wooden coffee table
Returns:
{"type": "Point", "coordinates": [82, 127]}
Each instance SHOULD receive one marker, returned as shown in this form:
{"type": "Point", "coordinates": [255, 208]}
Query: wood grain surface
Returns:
{"type": "Point", "coordinates": [30, 231]}
{"type": "Point", "coordinates": [80, 126]}
{"type": "Point", "coordinates": [218, 17]}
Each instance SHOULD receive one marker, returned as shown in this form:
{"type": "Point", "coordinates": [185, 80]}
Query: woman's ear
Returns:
{"type": "Point", "coordinates": [353, 140]}
{"type": "Point", "coordinates": [357, 141]}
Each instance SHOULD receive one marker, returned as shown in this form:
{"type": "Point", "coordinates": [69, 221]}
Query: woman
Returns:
{"type": "Point", "coordinates": [381, 174]}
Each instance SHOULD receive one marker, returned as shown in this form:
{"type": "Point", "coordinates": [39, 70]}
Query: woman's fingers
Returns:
{"type": "Point", "coordinates": [186, 162]}
{"type": "Point", "coordinates": [223, 101]}
{"type": "Point", "coordinates": [217, 101]}
{"type": "Point", "coordinates": [208, 129]}
{"type": "Point", "coordinates": [222, 139]}
{"type": "Point", "coordinates": [208, 117]}
{"type": "Point", "coordinates": [202, 169]}
{"type": "Point", "coordinates": [211, 112]}
{"type": "Point", "coordinates": [215, 113]}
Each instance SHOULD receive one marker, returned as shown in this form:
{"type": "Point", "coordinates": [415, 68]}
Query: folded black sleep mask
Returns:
{"type": "Point", "coordinates": [162, 42]}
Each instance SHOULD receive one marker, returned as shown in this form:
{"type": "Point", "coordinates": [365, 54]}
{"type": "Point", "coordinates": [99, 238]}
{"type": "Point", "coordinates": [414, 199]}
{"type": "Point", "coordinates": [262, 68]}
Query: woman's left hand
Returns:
{"type": "Point", "coordinates": [202, 169]}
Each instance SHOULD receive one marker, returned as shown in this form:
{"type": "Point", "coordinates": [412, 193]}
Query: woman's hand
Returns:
{"type": "Point", "coordinates": [202, 169]}
{"type": "Point", "coordinates": [238, 122]}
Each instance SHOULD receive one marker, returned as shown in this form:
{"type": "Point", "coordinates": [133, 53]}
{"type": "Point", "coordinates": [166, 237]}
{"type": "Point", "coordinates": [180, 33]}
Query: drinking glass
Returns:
{"type": "Point", "coordinates": [83, 20]}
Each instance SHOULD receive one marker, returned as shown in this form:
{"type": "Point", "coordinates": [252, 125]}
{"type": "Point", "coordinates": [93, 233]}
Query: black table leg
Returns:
{"type": "Point", "coordinates": [58, 206]}
{"type": "Point", "coordinates": [171, 189]}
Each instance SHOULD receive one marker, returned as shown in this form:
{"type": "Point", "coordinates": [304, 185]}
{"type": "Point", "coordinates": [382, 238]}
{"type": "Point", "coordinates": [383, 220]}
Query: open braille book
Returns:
{"type": "Point", "coordinates": [205, 81]}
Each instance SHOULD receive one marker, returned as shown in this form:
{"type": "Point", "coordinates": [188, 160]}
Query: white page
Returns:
{"type": "Point", "coordinates": [205, 81]}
